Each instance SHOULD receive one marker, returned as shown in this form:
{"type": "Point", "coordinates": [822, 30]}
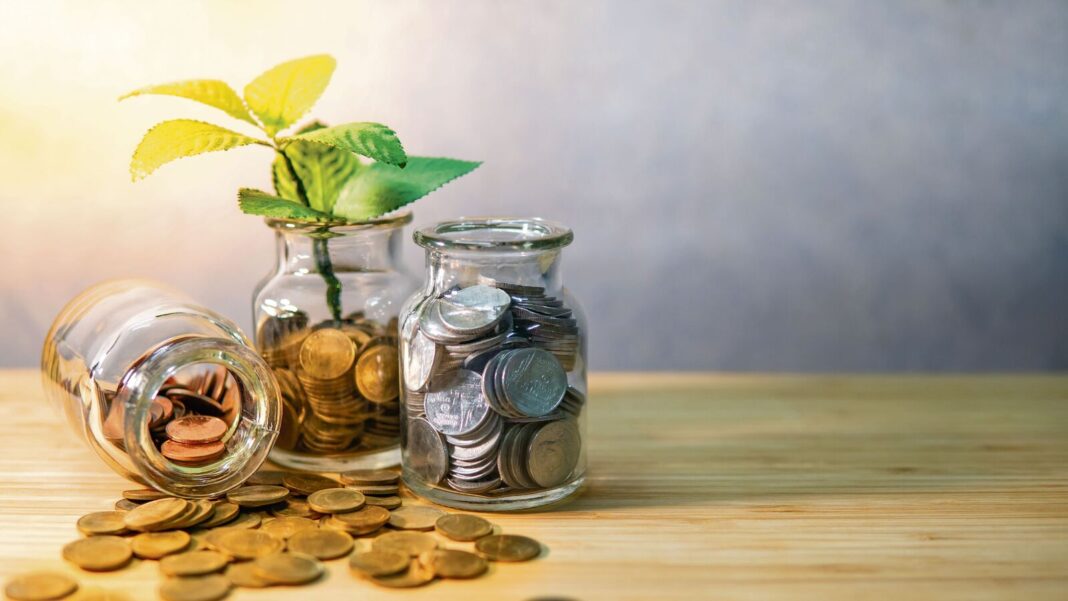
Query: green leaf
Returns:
{"type": "Point", "coordinates": [372, 140]}
{"type": "Point", "coordinates": [211, 92]}
{"type": "Point", "coordinates": [322, 170]}
{"type": "Point", "coordinates": [285, 181]}
{"type": "Point", "coordinates": [284, 93]}
{"type": "Point", "coordinates": [257, 202]}
{"type": "Point", "coordinates": [381, 188]}
{"type": "Point", "coordinates": [180, 138]}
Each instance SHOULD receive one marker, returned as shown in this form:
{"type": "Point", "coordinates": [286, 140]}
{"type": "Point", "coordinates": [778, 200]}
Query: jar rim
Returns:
{"type": "Point", "coordinates": [385, 222]}
{"type": "Point", "coordinates": [497, 233]}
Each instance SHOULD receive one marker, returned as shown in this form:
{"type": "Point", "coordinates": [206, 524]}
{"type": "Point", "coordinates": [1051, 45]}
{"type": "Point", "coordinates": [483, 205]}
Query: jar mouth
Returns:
{"type": "Point", "coordinates": [500, 233]}
{"type": "Point", "coordinates": [386, 222]}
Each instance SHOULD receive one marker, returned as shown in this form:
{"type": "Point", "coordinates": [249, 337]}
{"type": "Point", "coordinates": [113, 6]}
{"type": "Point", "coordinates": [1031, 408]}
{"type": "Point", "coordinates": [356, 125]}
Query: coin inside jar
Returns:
{"type": "Point", "coordinates": [376, 374]}
{"type": "Point", "coordinates": [196, 429]}
{"type": "Point", "coordinates": [192, 453]}
{"type": "Point", "coordinates": [327, 354]}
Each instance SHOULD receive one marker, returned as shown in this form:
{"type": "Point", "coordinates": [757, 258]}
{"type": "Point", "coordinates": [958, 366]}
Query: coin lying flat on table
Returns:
{"type": "Point", "coordinates": [336, 500]}
{"type": "Point", "coordinates": [364, 521]}
{"type": "Point", "coordinates": [272, 477]}
{"type": "Point", "coordinates": [102, 522]}
{"type": "Point", "coordinates": [370, 477]}
{"type": "Point", "coordinates": [295, 508]}
{"type": "Point", "coordinates": [246, 544]}
{"type": "Point", "coordinates": [193, 563]}
{"type": "Point", "coordinates": [452, 563]}
{"type": "Point", "coordinates": [142, 495]}
{"type": "Point", "coordinates": [154, 545]}
{"type": "Point", "coordinates": [379, 562]}
{"type": "Point", "coordinates": [222, 512]}
{"type": "Point", "coordinates": [321, 544]}
{"type": "Point", "coordinates": [306, 484]}
{"type": "Point", "coordinates": [197, 588]}
{"type": "Point", "coordinates": [98, 553]}
{"type": "Point", "coordinates": [391, 502]}
{"type": "Point", "coordinates": [243, 574]}
{"type": "Point", "coordinates": [508, 547]}
{"type": "Point", "coordinates": [125, 505]}
{"type": "Point", "coordinates": [286, 527]}
{"type": "Point", "coordinates": [39, 586]}
{"type": "Point", "coordinates": [417, 574]}
{"type": "Point", "coordinates": [463, 527]}
{"type": "Point", "coordinates": [257, 496]}
{"type": "Point", "coordinates": [415, 517]}
{"type": "Point", "coordinates": [412, 543]}
{"type": "Point", "coordinates": [287, 568]}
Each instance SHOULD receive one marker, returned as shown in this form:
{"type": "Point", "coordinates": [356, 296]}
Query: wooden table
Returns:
{"type": "Point", "coordinates": [702, 487]}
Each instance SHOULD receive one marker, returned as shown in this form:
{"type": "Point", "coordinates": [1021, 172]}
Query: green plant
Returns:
{"type": "Point", "coordinates": [317, 172]}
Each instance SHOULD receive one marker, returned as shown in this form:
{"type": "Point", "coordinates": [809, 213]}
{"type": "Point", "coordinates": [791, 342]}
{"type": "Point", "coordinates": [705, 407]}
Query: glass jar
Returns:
{"type": "Point", "coordinates": [493, 357]}
{"type": "Point", "coordinates": [326, 322]}
{"type": "Point", "coordinates": [126, 360]}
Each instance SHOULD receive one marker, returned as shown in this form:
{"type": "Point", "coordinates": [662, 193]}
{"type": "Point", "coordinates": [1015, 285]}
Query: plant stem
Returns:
{"type": "Point", "coordinates": [320, 248]}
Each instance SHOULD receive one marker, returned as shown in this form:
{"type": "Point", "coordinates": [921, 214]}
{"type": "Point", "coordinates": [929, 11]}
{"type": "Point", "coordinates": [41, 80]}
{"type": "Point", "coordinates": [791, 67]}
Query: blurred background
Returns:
{"type": "Point", "coordinates": [803, 186]}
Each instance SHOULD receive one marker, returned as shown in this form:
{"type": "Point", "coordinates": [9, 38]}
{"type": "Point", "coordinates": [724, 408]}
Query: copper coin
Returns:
{"type": "Point", "coordinates": [192, 453]}
{"type": "Point", "coordinates": [508, 547]}
{"type": "Point", "coordinates": [196, 429]}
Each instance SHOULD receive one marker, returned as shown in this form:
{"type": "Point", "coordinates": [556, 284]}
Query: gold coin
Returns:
{"type": "Point", "coordinates": [144, 494]}
{"type": "Point", "coordinates": [376, 489]}
{"type": "Point", "coordinates": [102, 522]}
{"type": "Point", "coordinates": [257, 496]}
{"type": "Point", "coordinates": [244, 575]}
{"type": "Point", "coordinates": [306, 484]}
{"type": "Point", "coordinates": [98, 553]}
{"type": "Point", "coordinates": [391, 502]}
{"type": "Point", "coordinates": [96, 594]}
{"type": "Point", "coordinates": [376, 374]}
{"type": "Point", "coordinates": [199, 511]}
{"type": "Point", "coordinates": [508, 547]}
{"type": "Point", "coordinates": [154, 514]}
{"type": "Point", "coordinates": [327, 354]}
{"type": "Point", "coordinates": [193, 563]}
{"type": "Point", "coordinates": [246, 544]}
{"type": "Point", "coordinates": [222, 513]}
{"type": "Point", "coordinates": [39, 586]}
{"type": "Point", "coordinates": [452, 563]}
{"type": "Point", "coordinates": [412, 543]}
{"type": "Point", "coordinates": [370, 477]}
{"type": "Point", "coordinates": [288, 568]}
{"type": "Point", "coordinates": [244, 521]}
{"type": "Point", "coordinates": [417, 574]}
{"type": "Point", "coordinates": [415, 517]}
{"type": "Point", "coordinates": [463, 527]}
{"type": "Point", "coordinates": [197, 588]}
{"type": "Point", "coordinates": [363, 521]}
{"type": "Point", "coordinates": [322, 544]}
{"type": "Point", "coordinates": [379, 562]}
{"type": "Point", "coordinates": [335, 500]}
{"type": "Point", "coordinates": [286, 527]}
{"type": "Point", "coordinates": [269, 477]}
{"type": "Point", "coordinates": [295, 508]}
{"type": "Point", "coordinates": [154, 545]}
{"type": "Point", "coordinates": [126, 505]}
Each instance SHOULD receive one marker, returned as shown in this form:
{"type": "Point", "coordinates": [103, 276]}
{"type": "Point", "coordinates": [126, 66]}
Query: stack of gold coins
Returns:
{"type": "Point", "coordinates": [337, 412]}
{"type": "Point", "coordinates": [280, 338]}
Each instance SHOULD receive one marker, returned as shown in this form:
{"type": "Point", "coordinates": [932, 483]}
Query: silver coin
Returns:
{"type": "Point", "coordinates": [428, 455]}
{"type": "Point", "coordinates": [465, 320]}
{"type": "Point", "coordinates": [432, 327]}
{"type": "Point", "coordinates": [533, 381]}
{"type": "Point", "coordinates": [481, 298]}
{"type": "Point", "coordinates": [504, 457]}
{"type": "Point", "coordinates": [420, 359]}
{"type": "Point", "coordinates": [455, 405]}
{"type": "Point", "coordinates": [553, 452]}
{"type": "Point", "coordinates": [480, 486]}
{"type": "Point", "coordinates": [520, 455]}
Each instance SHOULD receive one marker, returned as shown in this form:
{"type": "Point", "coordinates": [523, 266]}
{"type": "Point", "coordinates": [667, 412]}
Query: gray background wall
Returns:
{"type": "Point", "coordinates": [753, 185]}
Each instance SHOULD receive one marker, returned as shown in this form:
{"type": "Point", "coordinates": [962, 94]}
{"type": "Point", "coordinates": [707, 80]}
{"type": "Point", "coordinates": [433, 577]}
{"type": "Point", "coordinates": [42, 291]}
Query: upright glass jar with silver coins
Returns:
{"type": "Point", "coordinates": [493, 364]}
{"type": "Point", "coordinates": [326, 322]}
{"type": "Point", "coordinates": [166, 392]}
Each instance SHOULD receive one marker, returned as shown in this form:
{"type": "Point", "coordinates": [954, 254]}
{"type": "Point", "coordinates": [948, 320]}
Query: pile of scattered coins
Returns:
{"type": "Point", "coordinates": [190, 417]}
{"type": "Point", "coordinates": [486, 390]}
{"type": "Point", "coordinates": [278, 530]}
{"type": "Point", "coordinates": [338, 381]}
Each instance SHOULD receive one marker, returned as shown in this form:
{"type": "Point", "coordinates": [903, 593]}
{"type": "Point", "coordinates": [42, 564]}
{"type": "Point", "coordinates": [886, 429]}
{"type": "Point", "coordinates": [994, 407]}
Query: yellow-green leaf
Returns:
{"type": "Point", "coordinates": [380, 188]}
{"type": "Point", "coordinates": [281, 95]}
{"type": "Point", "coordinates": [322, 171]}
{"type": "Point", "coordinates": [180, 138]}
{"type": "Point", "coordinates": [372, 140]}
{"type": "Point", "coordinates": [256, 202]}
{"type": "Point", "coordinates": [211, 92]}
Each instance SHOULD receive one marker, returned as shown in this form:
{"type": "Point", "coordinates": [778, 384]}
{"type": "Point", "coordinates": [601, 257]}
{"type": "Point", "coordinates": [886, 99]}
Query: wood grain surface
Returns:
{"type": "Point", "coordinates": [701, 487]}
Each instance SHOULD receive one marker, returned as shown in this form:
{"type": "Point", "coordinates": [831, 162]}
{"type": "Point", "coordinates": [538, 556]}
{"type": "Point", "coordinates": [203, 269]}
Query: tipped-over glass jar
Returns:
{"type": "Point", "coordinates": [168, 393]}
{"type": "Point", "coordinates": [493, 357]}
{"type": "Point", "coordinates": [326, 321]}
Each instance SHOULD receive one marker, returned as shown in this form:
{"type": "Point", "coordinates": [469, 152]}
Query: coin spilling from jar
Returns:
{"type": "Point", "coordinates": [489, 403]}
{"type": "Point", "coordinates": [273, 531]}
{"type": "Point", "coordinates": [338, 379]}
{"type": "Point", "coordinates": [190, 418]}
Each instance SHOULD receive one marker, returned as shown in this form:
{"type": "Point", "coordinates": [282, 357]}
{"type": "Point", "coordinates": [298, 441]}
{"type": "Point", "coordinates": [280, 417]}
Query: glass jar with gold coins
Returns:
{"type": "Point", "coordinates": [326, 323]}
{"type": "Point", "coordinates": [493, 357]}
{"type": "Point", "coordinates": [165, 391]}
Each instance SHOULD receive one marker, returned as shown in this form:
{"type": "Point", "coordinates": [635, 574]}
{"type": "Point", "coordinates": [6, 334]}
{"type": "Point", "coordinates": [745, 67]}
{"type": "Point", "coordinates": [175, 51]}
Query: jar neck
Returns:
{"type": "Point", "coordinates": [250, 437]}
{"type": "Point", "coordinates": [349, 249]}
{"type": "Point", "coordinates": [448, 269]}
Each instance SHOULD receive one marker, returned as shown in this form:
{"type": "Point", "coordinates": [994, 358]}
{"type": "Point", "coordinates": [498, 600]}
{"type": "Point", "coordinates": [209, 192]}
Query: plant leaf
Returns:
{"type": "Point", "coordinates": [285, 181]}
{"type": "Point", "coordinates": [381, 188]}
{"type": "Point", "coordinates": [180, 138]}
{"type": "Point", "coordinates": [372, 140]}
{"type": "Point", "coordinates": [284, 93]}
{"type": "Point", "coordinates": [322, 170]}
{"type": "Point", "coordinates": [257, 202]}
{"type": "Point", "coordinates": [211, 92]}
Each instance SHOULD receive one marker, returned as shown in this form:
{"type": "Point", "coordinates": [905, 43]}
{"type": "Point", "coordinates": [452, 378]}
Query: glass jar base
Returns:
{"type": "Point", "coordinates": [515, 502]}
{"type": "Point", "coordinates": [372, 460]}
